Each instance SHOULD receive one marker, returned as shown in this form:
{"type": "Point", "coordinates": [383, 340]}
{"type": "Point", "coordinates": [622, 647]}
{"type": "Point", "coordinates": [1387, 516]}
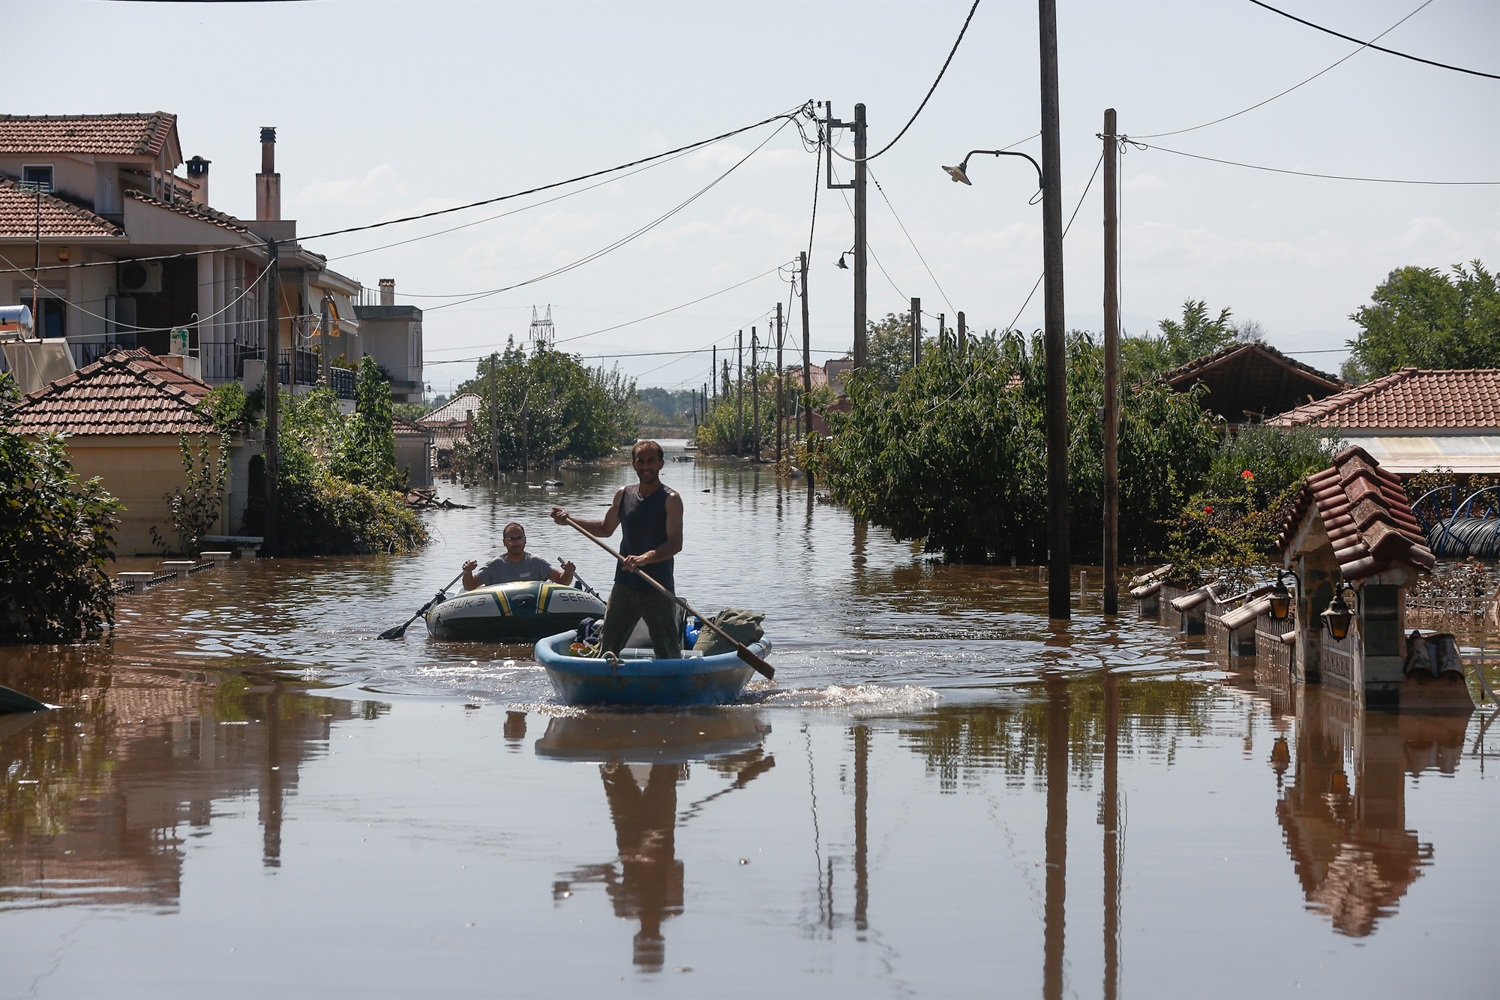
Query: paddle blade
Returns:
{"type": "Point", "coordinates": [761, 666]}
{"type": "Point", "coordinates": [394, 633]}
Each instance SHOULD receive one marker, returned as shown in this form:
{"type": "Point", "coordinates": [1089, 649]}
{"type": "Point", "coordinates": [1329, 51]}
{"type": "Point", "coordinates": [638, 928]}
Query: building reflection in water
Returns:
{"type": "Point", "coordinates": [642, 759]}
{"type": "Point", "coordinates": [1343, 804]}
{"type": "Point", "coordinates": [99, 797]}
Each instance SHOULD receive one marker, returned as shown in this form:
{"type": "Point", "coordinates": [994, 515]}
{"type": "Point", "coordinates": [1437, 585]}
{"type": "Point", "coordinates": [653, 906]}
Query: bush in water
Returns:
{"type": "Point", "coordinates": [956, 454]}
{"type": "Point", "coordinates": [56, 534]}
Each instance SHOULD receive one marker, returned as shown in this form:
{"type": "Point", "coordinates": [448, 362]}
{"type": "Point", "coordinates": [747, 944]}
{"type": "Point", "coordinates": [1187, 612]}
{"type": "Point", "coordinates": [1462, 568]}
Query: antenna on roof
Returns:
{"type": "Point", "coordinates": [542, 333]}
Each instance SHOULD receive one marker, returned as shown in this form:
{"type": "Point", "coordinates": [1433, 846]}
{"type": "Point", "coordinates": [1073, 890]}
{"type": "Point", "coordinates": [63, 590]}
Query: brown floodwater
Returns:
{"type": "Point", "coordinates": [244, 793]}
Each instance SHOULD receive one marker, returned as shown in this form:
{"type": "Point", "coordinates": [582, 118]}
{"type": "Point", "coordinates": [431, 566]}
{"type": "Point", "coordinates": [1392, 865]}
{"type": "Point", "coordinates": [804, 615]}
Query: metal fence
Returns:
{"type": "Point", "coordinates": [226, 362]}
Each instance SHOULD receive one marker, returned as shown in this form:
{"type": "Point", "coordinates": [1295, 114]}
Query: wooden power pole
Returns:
{"type": "Point", "coordinates": [1111, 367]}
{"type": "Point", "coordinates": [755, 394]}
{"type": "Point", "coordinates": [916, 332]}
{"type": "Point", "coordinates": [860, 274]}
{"type": "Point", "coordinates": [963, 335]}
{"type": "Point", "coordinates": [780, 393]}
{"type": "Point", "coordinates": [273, 400]}
{"type": "Point", "coordinates": [739, 395]}
{"type": "Point", "coordinates": [1059, 556]}
{"type": "Point", "coordinates": [806, 354]}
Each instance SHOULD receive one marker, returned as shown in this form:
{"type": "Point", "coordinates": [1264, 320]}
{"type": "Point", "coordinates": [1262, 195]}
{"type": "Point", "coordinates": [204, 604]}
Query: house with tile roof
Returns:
{"type": "Point", "coordinates": [1252, 380]}
{"type": "Point", "coordinates": [1415, 420]}
{"type": "Point", "coordinates": [121, 418]}
{"type": "Point", "coordinates": [114, 248]}
{"type": "Point", "coordinates": [1351, 532]}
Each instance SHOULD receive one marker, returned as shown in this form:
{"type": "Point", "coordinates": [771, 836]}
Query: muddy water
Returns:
{"type": "Point", "coordinates": [245, 793]}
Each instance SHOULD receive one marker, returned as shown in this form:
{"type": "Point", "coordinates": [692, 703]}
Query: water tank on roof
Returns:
{"type": "Point", "coordinates": [15, 320]}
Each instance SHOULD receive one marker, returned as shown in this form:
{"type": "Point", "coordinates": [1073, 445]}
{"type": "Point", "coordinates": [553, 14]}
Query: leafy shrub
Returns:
{"type": "Point", "coordinates": [56, 535]}
{"type": "Point", "coordinates": [195, 507]}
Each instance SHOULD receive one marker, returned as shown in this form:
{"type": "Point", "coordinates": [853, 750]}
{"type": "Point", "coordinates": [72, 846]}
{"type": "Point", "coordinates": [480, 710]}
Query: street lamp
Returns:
{"type": "Point", "coordinates": [1281, 598]}
{"type": "Point", "coordinates": [960, 173]}
{"type": "Point", "coordinates": [1338, 614]}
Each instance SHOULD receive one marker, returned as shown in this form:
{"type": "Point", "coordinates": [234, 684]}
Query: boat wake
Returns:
{"type": "Point", "coordinates": [857, 697]}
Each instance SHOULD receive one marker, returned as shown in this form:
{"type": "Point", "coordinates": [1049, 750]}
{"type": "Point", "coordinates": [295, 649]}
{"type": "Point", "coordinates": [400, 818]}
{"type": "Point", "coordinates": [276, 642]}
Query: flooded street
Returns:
{"type": "Point", "coordinates": [247, 793]}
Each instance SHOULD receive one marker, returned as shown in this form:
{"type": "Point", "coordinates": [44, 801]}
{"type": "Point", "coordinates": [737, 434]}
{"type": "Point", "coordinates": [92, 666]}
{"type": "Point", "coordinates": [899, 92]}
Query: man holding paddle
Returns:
{"type": "Point", "coordinates": [650, 516]}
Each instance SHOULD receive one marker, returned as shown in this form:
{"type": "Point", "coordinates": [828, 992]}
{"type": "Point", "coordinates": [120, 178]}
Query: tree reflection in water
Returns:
{"type": "Point", "coordinates": [643, 757]}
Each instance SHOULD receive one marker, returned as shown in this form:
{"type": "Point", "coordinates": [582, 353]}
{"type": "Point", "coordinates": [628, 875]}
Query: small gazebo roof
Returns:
{"type": "Point", "coordinates": [1365, 513]}
{"type": "Point", "coordinates": [1249, 379]}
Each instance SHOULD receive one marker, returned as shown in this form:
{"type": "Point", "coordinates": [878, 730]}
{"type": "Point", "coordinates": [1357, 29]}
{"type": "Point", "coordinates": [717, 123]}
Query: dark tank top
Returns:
{"type": "Point", "coordinates": [643, 527]}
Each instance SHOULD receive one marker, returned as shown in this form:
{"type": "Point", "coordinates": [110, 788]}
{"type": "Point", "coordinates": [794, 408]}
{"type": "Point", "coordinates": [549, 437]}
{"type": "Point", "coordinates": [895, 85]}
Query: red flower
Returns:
{"type": "Point", "coordinates": [1208, 510]}
{"type": "Point", "coordinates": [1247, 475]}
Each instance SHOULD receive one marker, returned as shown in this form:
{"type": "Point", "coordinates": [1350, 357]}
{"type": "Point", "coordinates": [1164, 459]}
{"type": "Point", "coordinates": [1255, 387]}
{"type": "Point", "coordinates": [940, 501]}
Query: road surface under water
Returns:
{"type": "Point", "coordinates": [246, 794]}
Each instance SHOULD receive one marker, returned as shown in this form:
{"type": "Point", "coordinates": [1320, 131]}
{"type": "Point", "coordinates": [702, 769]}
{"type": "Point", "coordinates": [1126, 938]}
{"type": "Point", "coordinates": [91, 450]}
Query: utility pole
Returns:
{"type": "Point", "coordinates": [494, 417]}
{"type": "Point", "coordinates": [780, 393]}
{"type": "Point", "coordinates": [713, 371]}
{"type": "Point", "coordinates": [273, 400]}
{"type": "Point", "coordinates": [942, 330]}
{"type": "Point", "coordinates": [739, 393]}
{"type": "Point", "coordinates": [1111, 367]}
{"type": "Point", "coordinates": [806, 354]}
{"type": "Point", "coordinates": [1059, 555]}
{"type": "Point", "coordinates": [754, 395]}
{"type": "Point", "coordinates": [858, 184]}
{"type": "Point", "coordinates": [525, 439]}
{"type": "Point", "coordinates": [916, 332]}
{"type": "Point", "coordinates": [725, 392]}
{"type": "Point", "coordinates": [963, 335]}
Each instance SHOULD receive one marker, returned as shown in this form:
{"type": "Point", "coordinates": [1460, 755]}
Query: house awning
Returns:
{"type": "Point", "coordinates": [1405, 454]}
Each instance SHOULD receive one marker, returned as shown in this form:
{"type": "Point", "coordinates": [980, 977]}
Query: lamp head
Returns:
{"type": "Point", "coordinates": [959, 173]}
{"type": "Point", "coordinates": [841, 262]}
{"type": "Point", "coordinates": [1281, 601]}
{"type": "Point", "coordinates": [1336, 618]}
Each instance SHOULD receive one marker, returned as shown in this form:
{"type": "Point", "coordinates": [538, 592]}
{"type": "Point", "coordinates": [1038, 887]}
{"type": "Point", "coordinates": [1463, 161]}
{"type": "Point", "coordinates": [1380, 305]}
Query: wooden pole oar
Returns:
{"type": "Point", "coordinates": [400, 630]}
{"type": "Point", "coordinates": [583, 584]}
{"type": "Point", "coordinates": [761, 666]}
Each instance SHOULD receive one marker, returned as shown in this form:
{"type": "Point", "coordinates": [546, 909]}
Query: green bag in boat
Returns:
{"type": "Point", "coordinates": [743, 625]}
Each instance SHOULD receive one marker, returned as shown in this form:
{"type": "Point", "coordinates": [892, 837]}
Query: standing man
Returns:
{"type": "Point", "coordinates": [650, 516]}
{"type": "Point", "coordinates": [516, 564]}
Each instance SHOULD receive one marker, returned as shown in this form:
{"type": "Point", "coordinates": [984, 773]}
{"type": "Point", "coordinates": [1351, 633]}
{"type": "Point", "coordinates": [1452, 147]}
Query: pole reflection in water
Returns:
{"type": "Point", "coordinates": [1350, 846]}
{"type": "Point", "coordinates": [1053, 918]}
{"type": "Point", "coordinates": [861, 827]}
{"type": "Point", "coordinates": [1111, 819]}
{"type": "Point", "coordinates": [642, 758]}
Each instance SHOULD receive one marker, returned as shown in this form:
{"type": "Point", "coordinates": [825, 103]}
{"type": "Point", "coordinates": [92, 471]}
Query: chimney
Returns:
{"type": "Point", "coordinates": [387, 291]}
{"type": "Point", "coordinates": [268, 181]}
{"type": "Point", "coordinates": [197, 169]}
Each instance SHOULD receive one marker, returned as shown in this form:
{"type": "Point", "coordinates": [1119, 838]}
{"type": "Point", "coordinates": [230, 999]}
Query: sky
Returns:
{"type": "Point", "coordinates": [384, 110]}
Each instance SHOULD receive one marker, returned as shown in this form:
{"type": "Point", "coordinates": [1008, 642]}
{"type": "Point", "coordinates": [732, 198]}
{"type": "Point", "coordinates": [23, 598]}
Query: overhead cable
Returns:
{"type": "Point", "coordinates": [933, 88]}
{"type": "Point", "coordinates": [1362, 47]}
{"type": "Point", "coordinates": [910, 240]}
{"type": "Point", "coordinates": [1305, 173]}
{"type": "Point", "coordinates": [1378, 48]}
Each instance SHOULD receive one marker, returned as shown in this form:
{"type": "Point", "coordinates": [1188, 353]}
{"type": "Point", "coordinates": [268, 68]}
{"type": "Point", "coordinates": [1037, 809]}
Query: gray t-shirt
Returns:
{"type": "Point", "coordinates": [502, 570]}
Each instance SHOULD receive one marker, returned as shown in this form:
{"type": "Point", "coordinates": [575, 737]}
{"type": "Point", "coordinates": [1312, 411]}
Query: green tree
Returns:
{"type": "Point", "coordinates": [1197, 334]}
{"type": "Point", "coordinates": [956, 453]}
{"type": "Point", "coordinates": [56, 535]}
{"type": "Point", "coordinates": [1422, 318]}
{"type": "Point", "coordinates": [365, 450]}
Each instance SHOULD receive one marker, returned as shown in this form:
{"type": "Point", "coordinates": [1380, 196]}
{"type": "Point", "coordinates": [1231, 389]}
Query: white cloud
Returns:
{"type": "Point", "coordinates": [1145, 182]}
{"type": "Point", "coordinates": [378, 185]}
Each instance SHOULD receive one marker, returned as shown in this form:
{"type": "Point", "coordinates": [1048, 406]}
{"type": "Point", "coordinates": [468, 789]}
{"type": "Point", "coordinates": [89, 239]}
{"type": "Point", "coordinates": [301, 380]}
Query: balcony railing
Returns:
{"type": "Point", "coordinates": [341, 381]}
{"type": "Point", "coordinates": [226, 362]}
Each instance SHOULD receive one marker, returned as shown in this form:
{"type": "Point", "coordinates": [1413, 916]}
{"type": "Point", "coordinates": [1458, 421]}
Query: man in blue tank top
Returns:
{"type": "Point", "coordinates": [650, 516]}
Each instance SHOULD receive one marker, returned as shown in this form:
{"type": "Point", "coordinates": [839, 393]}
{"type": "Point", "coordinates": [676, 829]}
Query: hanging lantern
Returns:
{"type": "Point", "coordinates": [1336, 618]}
{"type": "Point", "coordinates": [1281, 599]}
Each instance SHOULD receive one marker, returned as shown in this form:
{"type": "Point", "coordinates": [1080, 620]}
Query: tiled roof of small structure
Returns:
{"type": "Point", "coordinates": [406, 425]}
{"type": "Point", "coordinates": [1366, 514]}
{"type": "Point", "coordinates": [456, 409]}
{"type": "Point", "coordinates": [817, 376]}
{"type": "Point", "coordinates": [1198, 366]}
{"type": "Point", "coordinates": [124, 392]}
{"type": "Point", "coordinates": [20, 215]}
{"type": "Point", "coordinates": [102, 135]}
{"type": "Point", "coordinates": [1407, 399]}
{"type": "Point", "coordinates": [191, 209]}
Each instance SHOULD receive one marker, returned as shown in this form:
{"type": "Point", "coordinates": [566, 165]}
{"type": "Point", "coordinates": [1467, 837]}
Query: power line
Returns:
{"type": "Point", "coordinates": [785, 115]}
{"type": "Point", "coordinates": [1393, 52]}
{"type": "Point", "coordinates": [933, 88]}
{"type": "Point", "coordinates": [910, 240]}
{"type": "Point", "coordinates": [1362, 47]}
{"type": "Point", "coordinates": [1305, 173]}
{"type": "Point", "coordinates": [464, 298]}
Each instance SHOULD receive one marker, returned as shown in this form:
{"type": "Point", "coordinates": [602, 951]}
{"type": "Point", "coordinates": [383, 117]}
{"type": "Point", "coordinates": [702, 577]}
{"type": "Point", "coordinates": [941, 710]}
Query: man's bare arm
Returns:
{"type": "Point", "coordinates": [601, 528]}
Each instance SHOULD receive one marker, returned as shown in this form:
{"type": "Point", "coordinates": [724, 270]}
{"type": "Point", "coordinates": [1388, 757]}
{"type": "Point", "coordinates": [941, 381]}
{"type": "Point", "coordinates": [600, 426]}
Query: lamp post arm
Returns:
{"type": "Point", "coordinates": [1005, 152]}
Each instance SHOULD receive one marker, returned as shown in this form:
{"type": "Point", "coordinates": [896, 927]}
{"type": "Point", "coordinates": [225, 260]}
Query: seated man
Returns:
{"type": "Point", "coordinates": [516, 564]}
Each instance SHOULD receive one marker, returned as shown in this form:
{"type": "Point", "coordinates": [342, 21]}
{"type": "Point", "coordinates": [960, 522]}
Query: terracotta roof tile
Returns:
{"type": "Point", "coordinates": [455, 410]}
{"type": "Point", "coordinates": [124, 392]}
{"type": "Point", "coordinates": [191, 209]}
{"type": "Point", "coordinates": [1225, 354]}
{"type": "Point", "coordinates": [1406, 399]}
{"type": "Point", "coordinates": [817, 376]}
{"type": "Point", "coordinates": [102, 135]}
{"type": "Point", "coordinates": [1365, 513]}
{"type": "Point", "coordinates": [19, 216]}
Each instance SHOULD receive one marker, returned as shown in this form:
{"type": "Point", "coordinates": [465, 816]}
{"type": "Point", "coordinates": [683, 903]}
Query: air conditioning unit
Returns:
{"type": "Point", "coordinates": [139, 277]}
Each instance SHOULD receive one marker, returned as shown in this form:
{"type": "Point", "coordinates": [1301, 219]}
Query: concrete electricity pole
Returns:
{"type": "Point", "coordinates": [916, 332]}
{"type": "Point", "coordinates": [1111, 367]}
{"type": "Point", "coordinates": [963, 335]}
{"type": "Point", "coordinates": [739, 395]}
{"type": "Point", "coordinates": [1059, 556]}
{"type": "Point", "coordinates": [273, 400]}
{"type": "Point", "coordinates": [860, 171]}
{"type": "Point", "coordinates": [755, 394]}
